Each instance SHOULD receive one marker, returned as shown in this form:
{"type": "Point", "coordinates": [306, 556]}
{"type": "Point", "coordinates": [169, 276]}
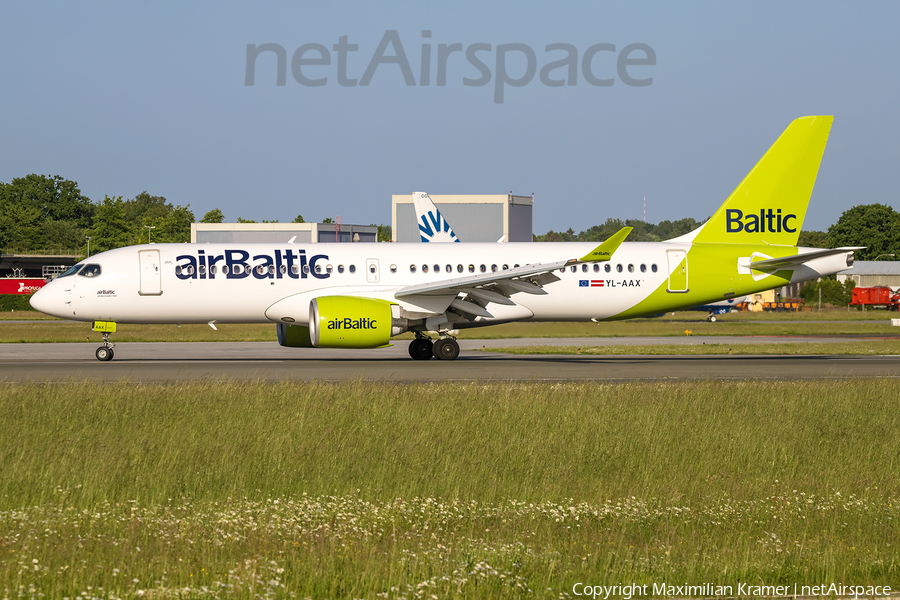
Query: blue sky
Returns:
{"type": "Point", "coordinates": [127, 97]}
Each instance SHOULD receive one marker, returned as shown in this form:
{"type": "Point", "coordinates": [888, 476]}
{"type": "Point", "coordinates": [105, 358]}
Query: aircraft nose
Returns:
{"type": "Point", "coordinates": [47, 301]}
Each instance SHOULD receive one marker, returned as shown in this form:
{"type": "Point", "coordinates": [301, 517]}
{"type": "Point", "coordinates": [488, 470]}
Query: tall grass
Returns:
{"type": "Point", "coordinates": [476, 490]}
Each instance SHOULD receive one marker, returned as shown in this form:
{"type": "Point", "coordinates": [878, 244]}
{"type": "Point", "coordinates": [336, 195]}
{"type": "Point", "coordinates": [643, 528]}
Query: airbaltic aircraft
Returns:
{"type": "Point", "coordinates": [361, 295]}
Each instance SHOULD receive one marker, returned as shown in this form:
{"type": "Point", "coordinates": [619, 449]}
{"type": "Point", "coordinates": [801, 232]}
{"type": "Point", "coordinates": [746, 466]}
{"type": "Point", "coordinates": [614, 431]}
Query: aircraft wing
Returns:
{"type": "Point", "coordinates": [792, 262]}
{"type": "Point", "coordinates": [515, 277]}
{"type": "Point", "coordinates": [497, 286]}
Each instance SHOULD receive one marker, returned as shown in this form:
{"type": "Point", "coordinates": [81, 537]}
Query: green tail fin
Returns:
{"type": "Point", "coordinates": [769, 205]}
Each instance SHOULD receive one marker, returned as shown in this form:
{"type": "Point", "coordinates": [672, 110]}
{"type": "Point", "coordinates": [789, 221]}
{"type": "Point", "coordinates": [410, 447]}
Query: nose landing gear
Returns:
{"type": "Point", "coordinates": [105, 352]}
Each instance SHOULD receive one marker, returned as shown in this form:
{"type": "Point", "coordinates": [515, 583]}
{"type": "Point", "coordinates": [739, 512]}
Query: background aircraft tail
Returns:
{"type": "Point", "coordinates": [769, 205]}
{"type": "Point", "coordinates": [433, 227]}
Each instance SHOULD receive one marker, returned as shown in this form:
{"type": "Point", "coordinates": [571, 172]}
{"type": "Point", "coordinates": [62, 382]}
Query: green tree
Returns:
{"type": "Point", "coordinates": [298, 219]}
{"type": "Point", "coordinates": [242, 220]}
{"type": "Point", "coordinates": [385, 234]}
{"type": "Point", "coordinates": [213, 216]}
{"type": "Point", "coordinates": [813, 239]}
{"type": "Point", "coordinates": [36, 209]}
{"type": "Point", "coordinates": [175, 227]}
{"type": "Point", "coordinates": [111, 229]}
{"type": "Point", "coordinates": [833, 291]}
{"type": "Point", "coordinates": [875, 226]}
{"type": "Point", "coordinates": [327, 221]}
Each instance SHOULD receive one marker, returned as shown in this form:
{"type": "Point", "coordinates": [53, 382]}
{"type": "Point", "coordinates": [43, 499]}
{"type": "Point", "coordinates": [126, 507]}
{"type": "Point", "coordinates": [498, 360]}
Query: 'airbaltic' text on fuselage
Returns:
{"type": "Point", "coordinates": [237, 264]}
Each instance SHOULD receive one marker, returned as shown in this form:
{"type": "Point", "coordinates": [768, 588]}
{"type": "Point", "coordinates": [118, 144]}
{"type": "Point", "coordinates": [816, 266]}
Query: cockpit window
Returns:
{"type": "Point", "coordinates": [70, 271]}
{"type": "Point", "coordinates": [90, 271]}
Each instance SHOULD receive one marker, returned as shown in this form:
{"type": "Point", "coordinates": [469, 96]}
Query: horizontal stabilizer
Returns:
{"type": "Point", "coordinates": [790, 262]}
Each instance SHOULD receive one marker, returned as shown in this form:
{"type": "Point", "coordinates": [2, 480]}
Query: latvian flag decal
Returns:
{"type": "Point", "coordinates": [590, 283]}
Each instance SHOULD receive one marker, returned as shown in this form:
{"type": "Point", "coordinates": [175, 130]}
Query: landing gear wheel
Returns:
{"type": "Point", "coordinates": [711, 318]}
{"type": "Point", "coordinates": [104, 353]}
{"type": "Point", "coordinates": [446, 349]}
{"type": "Point", "coordinates": [420, 349]}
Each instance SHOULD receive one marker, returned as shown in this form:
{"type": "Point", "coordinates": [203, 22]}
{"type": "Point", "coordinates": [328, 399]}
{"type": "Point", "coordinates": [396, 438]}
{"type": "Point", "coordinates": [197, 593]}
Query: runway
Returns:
{"type": "Point", "coordinates": [267, 361]}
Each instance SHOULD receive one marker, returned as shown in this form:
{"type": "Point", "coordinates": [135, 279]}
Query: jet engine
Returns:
{"type": "Point", "coordinates": [351, 322]}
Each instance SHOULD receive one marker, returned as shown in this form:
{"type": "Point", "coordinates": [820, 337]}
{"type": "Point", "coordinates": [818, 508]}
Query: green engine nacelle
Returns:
{"type": "Point", "coordinates": [293, 336]}
{"type": "Point", "coordinates": [350, 322]}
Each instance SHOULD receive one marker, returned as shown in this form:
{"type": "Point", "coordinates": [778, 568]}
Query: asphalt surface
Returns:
{"type": "Point", "coordinates": [183, 361]}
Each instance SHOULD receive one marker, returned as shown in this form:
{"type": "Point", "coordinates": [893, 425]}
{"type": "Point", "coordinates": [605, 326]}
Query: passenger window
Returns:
{"type": "Point", "coordinates": [371, 268]}
{"type": "Point", "coordinates": [631, 268]}
{"type": "Point", "coordinates": [305, 269]}
{"type": "Point", "coordinates": [328, 269]}
{"type": "Point", "coordinates": [393, 268]}
{"type": "Point", "coordinates": [352, 268]}
{"type": "Point", "coordinates": [412, 268]}
{"type": "Point", "coordinates": [607, 268]}
{"type": "Point", "coordinates": [584, 268]}
{"type": "Point", "coordinates": [653, 268]}
{"type": "Point", "coordinates": [618, 268]}
{"type": "Point", "coordinates": [225, 269]}
{"type": "Point", "coordinates": [573, 268]}
{"type": "Point", "coordinates": [340, 268]}
{"type": "Point", "coordinates": [424, 268]}
{"type": "Point", "coordinates": [493, 268]}
{"type": "Point", "coordinates": [471, 268]}
{"type": "Point", "coordinates": [449, 269]}
{"type": "Point", "coordinates": [202, 270]}
{"type": "Point", "coordinates": [562, 270]}
{"type": "Point", "coordinates": [177, 272]}
{"type": "Point", "coordinates": [189, 269]}
{"type": "Point", "coordinates": [459, 268]}
{"type": "Point", "coordinates": [515, 266]}
{"type": "Point", "coordinates": [437, 268]}
{"type": "Point", "coordinates": [506, 267]}
{"type": "Point", "coordinates": [294, 269]}
{"type": "Point", "coordinates": [272, 269]}
{"type": "Point", "coordinates": [643, 268]}
{"type": "Point", "coordinates": [596, 268]}
{"type": "Point", "coordinates": [483, 269]}
{"type": "Point", "coordinates": [318, 268]}
{"type": "Point", "coordinates": [94, 271]}
{"type": "Point", "coordinates": [214, 269]}
{"type": "Point", "coordinates": [74, 269]}
{"type": "Point", "coordinates": [283, 269]}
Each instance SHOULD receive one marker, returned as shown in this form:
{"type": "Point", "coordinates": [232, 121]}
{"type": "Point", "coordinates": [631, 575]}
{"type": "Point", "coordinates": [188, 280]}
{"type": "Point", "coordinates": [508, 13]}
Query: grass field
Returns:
{"type": "Point", "coordinates": [453, 490]}
{"type": "Point", "coordinates": [736, 324]}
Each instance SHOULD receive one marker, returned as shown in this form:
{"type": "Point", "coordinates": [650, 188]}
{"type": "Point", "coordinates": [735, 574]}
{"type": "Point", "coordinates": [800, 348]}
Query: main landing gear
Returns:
{"type": "Point", "coordinates": [422, 348]}
{"type": "Point", "coordinates": [105, 352]}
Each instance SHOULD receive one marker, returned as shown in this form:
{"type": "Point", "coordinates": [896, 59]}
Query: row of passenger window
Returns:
{"type": "Point", "coordinates": [261, 269]}
{"type": "Point", "coordinates": [295, 269]}
{"type": "Point", "coordinates": [608, 268]}
{"type": "Point", "coordinates": [574, 268]}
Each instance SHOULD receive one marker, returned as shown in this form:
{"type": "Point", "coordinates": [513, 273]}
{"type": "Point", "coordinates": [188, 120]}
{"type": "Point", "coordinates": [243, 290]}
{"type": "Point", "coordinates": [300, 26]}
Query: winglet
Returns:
{"type": "Point", "coordinates": [605, 250]}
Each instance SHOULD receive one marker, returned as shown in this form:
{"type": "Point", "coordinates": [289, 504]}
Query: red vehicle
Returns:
{"type": "Point", "coordinates": [876, 296]}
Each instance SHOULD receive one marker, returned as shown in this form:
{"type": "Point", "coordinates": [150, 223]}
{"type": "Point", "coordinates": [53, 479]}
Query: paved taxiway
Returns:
{"type": "Point", "coordinates": [181, 361]}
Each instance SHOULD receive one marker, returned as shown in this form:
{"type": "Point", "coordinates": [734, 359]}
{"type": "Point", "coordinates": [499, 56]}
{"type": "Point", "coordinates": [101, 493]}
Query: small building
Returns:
{"type": "Point", "coordinates": [44, 266]}
{"type": "Point", "coordinates": [473, 217]}
{"type": "Point", "coordinates": [873, 273]}
{"type": "Point", "coordinates": [302, 233]}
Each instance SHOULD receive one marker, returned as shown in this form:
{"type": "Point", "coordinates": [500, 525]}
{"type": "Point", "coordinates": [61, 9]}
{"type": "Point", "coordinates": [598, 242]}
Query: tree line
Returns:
{"type": "Point", "coordinates": [47, 213]}
{"type": "Point", "coordinates": [875, 226]}
{"type": "Point", "coordinates": [42, 212]}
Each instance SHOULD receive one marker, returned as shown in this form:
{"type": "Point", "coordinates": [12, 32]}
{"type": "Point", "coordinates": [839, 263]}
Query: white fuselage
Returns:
{"type": "Point", "coordinates": [128, 292]}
